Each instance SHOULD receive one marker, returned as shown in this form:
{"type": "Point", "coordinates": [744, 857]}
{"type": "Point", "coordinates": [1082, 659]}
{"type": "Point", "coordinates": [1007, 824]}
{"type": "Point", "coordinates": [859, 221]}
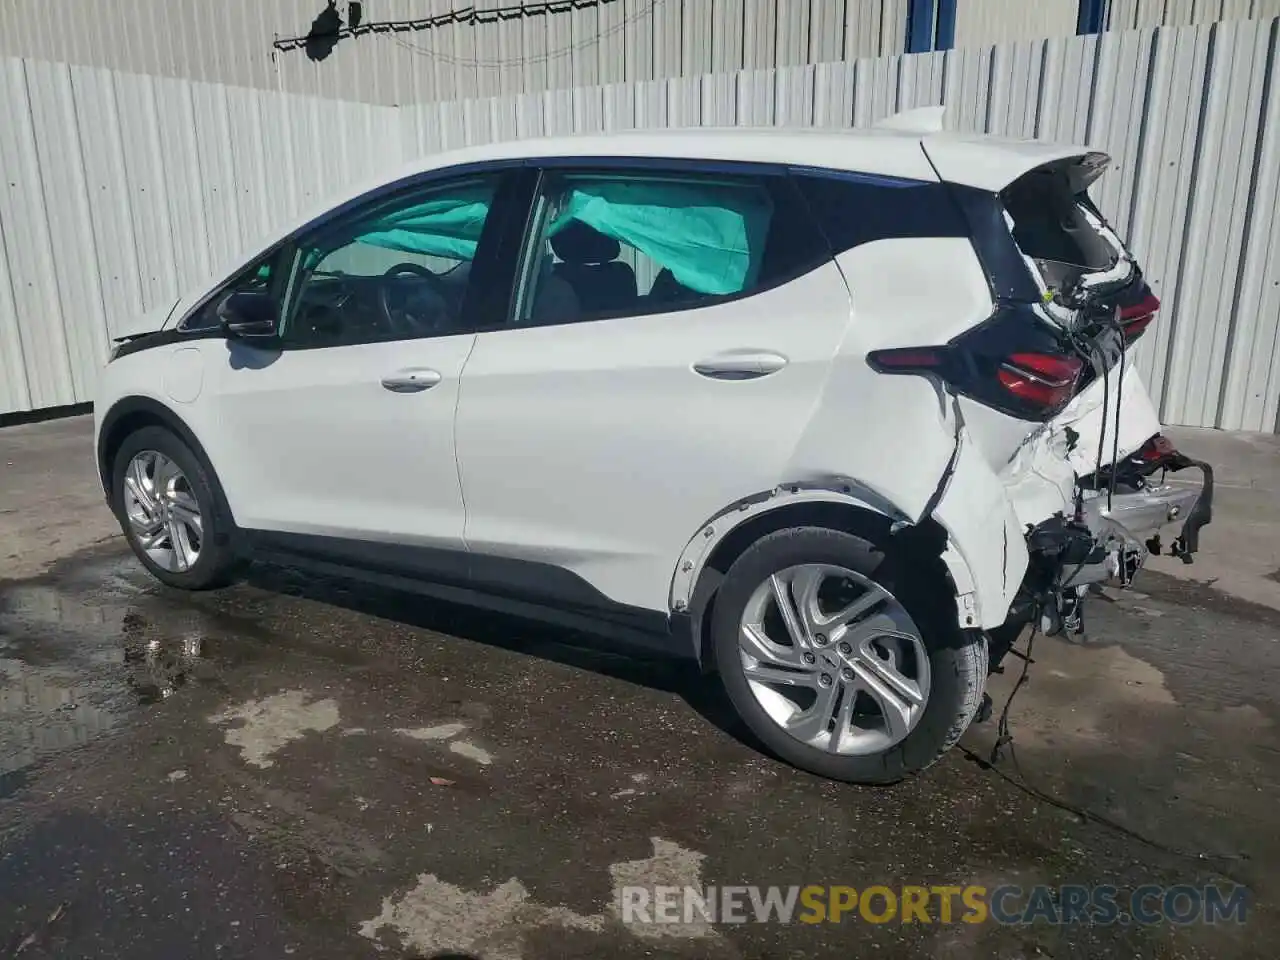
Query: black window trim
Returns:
{"type": "Point", "coordinates": [780, 174]}
{"type": "Point", "coordinates": [285, 247]}
{"type": "Point", "coordinates": [515, 212]}
{"type": "Point", "coordinates": [886, 180]}
{"type": "Point", "coordinates": [272, 255]}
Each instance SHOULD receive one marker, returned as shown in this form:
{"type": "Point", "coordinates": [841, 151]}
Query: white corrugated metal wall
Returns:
{"type": "Point", "coordinates": [117, 191]}
{"type": "Point", "coordinates": [142, 182]}
{"type": "Point", "coordinates": [592, 42]}
{"type": "Point", "coordinates": [614, 42]}
{"type": "Point", "coordinates": [1135, 14]}
{"type": "Point", "coordinates": [999, 21]}
{"type": "Point", "coordinates": [606, 41]}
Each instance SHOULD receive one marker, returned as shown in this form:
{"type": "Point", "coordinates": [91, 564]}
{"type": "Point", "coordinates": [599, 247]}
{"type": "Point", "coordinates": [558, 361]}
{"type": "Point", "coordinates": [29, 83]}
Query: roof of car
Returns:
{"type": "Point", "coordinates": [883, 151]}
{"type": "Point", "coordinates": [978, 160]}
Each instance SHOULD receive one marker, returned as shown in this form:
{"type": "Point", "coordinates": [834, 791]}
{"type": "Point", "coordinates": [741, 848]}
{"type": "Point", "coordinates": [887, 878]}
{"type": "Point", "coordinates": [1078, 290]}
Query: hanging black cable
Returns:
{"type": "Point", "coordinates": [470, 15]}
{"type": "Point", "coordinates": [1115, 440]}
{"type": "Point", "coordinates": [1004, 739]}
{"type": "Point", "coordinates": [1099, 360]}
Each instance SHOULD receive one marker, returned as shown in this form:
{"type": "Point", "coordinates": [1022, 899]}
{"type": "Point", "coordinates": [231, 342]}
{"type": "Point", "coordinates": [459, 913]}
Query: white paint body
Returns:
{"type": "Point", "coordinates": [594, 448]}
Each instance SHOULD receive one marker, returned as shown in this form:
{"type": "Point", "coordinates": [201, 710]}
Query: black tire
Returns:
{"type": "Point", "coordinates": [218, 562]}
{"type": "Point", "coordinates": [957, 658]}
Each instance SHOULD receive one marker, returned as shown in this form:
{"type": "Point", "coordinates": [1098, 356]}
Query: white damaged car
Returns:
{"type": "Point", "coordinates": [835, 414]}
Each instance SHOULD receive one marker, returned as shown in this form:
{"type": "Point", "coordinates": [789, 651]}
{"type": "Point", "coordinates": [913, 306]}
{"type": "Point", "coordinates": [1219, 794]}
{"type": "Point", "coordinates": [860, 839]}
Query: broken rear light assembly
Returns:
{"type": "Point", "coordinates": [1013, 362]}
{"type": "Point", "coordinates": [1136, 318]}
{"type": "Point", "coordinates": [1132, 472]}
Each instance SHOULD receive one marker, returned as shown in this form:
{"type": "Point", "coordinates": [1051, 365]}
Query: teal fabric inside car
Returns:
{"type": "Point", "coordinates": [445, 227]}
{"type": "Point", "coordinates": [710, 236]}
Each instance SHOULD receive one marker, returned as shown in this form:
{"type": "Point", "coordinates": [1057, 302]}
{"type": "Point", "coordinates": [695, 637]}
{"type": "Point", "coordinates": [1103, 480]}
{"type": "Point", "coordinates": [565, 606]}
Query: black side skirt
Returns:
{"type": "Point", "coordinates": [519, 588]}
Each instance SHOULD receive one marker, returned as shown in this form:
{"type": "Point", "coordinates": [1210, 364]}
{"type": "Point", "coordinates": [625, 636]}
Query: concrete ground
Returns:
{"type": "Point", "coordinates": [306, 768]}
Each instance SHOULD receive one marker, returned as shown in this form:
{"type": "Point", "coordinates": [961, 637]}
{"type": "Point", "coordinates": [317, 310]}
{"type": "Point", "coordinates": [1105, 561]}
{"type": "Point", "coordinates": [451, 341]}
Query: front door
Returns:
{"type": "Point", "coordinates": [340, 435]}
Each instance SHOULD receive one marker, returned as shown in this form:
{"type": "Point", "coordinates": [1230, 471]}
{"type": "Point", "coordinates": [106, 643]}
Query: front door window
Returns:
{"type": "Point", "coordinates": [397, 270]}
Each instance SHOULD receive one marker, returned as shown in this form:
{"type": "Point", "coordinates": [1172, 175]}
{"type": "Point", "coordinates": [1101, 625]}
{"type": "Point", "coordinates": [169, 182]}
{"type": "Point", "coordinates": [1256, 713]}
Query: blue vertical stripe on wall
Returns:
{"type": "Point", "coordinates": [946, 35]}
{"type": "Point", "coordinates": [1091, 17]}
{"type": "Point", "coordinates": [920, 18]}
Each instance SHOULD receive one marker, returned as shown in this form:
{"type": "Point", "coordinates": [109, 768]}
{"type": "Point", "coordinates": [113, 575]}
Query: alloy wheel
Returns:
{"type": "Point", "coordinates": [164, 514]}
{"type": "Point", "coordinates": [834, 659]}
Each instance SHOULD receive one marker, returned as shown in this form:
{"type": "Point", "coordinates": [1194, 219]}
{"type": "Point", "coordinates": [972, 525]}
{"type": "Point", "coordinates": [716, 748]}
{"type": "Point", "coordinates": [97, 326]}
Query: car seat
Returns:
{"type": "Point", "coordinates": [667, 289]}
{"type": "Point", "coordinates": [589, 264]}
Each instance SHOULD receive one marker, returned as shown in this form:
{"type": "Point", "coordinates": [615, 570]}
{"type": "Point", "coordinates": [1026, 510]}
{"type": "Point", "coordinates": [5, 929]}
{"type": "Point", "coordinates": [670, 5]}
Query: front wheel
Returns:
{"type": "Point", "coordinates": [170, 511]}
{"type": "Point", "coordinates": [841, 663]}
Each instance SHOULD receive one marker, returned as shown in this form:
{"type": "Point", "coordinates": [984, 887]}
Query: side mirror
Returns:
{"type": "Point", "coordinates": [248, 316]}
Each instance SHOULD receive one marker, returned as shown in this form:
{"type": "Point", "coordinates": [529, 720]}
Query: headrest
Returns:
{"type": "Point", "coordinates": [578, 243]}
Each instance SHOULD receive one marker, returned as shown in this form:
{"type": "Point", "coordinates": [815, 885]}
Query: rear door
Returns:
{"type": "Point", "coordinates": [671, 336]}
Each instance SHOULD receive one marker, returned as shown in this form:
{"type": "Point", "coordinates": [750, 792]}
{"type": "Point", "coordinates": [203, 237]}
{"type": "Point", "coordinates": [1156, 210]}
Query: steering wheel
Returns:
{"type": "Point", "coordinates": [392, 299]}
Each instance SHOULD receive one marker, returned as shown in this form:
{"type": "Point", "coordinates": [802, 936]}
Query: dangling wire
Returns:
{"type": "Point", "coordinates": [1115, 439]}
{"type": "Point", "coordinates": [1099, 361]}
{"type": "Point", "coordinates": [1004, 736]}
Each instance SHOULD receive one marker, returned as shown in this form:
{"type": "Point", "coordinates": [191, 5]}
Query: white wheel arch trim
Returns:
{"type": "Point", "coordinates": [693, 558]}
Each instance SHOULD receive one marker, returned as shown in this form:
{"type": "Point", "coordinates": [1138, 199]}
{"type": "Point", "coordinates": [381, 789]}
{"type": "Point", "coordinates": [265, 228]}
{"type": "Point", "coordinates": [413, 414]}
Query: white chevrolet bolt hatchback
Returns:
{"type": "Point", "coordinates": [835, 414]}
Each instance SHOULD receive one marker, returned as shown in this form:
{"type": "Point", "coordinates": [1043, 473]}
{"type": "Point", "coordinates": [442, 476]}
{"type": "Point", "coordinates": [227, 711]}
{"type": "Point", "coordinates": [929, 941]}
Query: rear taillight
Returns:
{"type": "Point", "coordinates": [1014, 362]}
{"type": "Point", "coordinates": [1044, 380]}
{"type": "Point", "coordinates": [1136, 318]}
{"type": "Point", "coordinates": [1156, 449]}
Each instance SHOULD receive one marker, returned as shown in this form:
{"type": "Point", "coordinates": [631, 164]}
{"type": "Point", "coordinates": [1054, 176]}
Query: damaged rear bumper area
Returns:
{"type": "Point", "coordinates": [1139, 497]}
{"type": "Point", "coordinates": [1123, 515]}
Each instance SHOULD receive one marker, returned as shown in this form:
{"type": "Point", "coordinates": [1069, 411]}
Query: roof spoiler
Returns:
{"type": "Point", "coordinates": [923, 120]}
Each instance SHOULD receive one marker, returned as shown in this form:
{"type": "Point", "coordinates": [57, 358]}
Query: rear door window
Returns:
{"type": "Point", "coordinates": [642, 241]}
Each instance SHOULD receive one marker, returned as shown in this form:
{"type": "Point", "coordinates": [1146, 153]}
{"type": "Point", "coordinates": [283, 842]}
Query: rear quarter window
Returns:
{"type": "Point", "coordinates": [853, 209]}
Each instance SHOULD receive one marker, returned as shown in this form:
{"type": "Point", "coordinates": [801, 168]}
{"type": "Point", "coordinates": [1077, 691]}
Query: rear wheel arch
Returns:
{"type": "Point", "coordinates": [723, 540]}
{"type": "Point", "coordinates": [926, 652]}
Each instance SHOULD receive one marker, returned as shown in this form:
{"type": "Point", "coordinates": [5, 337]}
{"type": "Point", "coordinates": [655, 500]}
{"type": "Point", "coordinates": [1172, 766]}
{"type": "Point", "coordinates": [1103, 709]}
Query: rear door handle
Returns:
{"type": "Point", "coordinates": [411, 381]}
{"type": "Point", "coordinates": [740, 365]}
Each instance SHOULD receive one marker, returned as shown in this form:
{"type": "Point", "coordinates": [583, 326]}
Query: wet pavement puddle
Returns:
{"type": "Point", "coordinates": [76, 663]}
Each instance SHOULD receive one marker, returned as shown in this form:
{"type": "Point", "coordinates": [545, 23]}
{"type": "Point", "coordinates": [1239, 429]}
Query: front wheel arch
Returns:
{"type": "Point", "coordinates": [131, 414]}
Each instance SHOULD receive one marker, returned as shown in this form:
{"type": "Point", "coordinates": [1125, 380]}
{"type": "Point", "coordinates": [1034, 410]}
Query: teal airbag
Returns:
{"type": "Point", "coordinates": [710, 236]}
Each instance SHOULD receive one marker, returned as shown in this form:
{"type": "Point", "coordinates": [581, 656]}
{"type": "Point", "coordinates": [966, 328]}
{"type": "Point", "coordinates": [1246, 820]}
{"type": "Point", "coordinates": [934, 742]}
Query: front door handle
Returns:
{"type": "Point", "coordinates": [740, 365]}
{"type": "Point", "coordinates": [411, 381]}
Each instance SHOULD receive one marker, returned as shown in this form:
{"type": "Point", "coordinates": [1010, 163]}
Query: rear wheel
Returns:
{"type": "Point", "coordinates": [841, 663]}
{"type": "Point", "coordinates": [170, 511]}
